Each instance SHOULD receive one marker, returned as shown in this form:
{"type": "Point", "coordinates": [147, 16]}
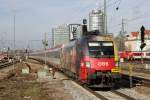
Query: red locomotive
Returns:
{"type": "Point", "coordinates": [92, 59]}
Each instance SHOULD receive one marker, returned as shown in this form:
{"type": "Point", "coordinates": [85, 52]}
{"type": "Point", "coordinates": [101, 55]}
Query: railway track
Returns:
{"type": "Point", "coordinates": [107, 95]}
{"type": "Point", "coordinates": [103, 95]}
{"type": "Point", "coordinates": [114, 95]}
{"type": "Point", "coordinates": [123, 95]}
{"type": "Point", "coordinates": [3, 61]}
{"type": "Point", "coordinates": [139, 70]}
{"type": "Point", "coordinates": [93, 92]}
{"type": "Point", "coordinates": [2, 65]}
{"type": "Point", "coordinates": [146, 61]}
{"type": "Point", "coordinates": [6, 64]}
{"type": "Point", "coordinates": [138, 80]}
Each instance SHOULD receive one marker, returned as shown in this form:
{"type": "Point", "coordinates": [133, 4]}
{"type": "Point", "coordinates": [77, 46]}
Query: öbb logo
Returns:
{"type": "Point", "coordinates": [102, 63]}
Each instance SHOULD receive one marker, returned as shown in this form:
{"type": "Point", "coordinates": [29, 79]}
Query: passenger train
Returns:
{"type": "Point", "coordinates": [93, 59]}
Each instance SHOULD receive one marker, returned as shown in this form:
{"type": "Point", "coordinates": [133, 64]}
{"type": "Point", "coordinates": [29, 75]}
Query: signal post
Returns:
{"type": "Point", "coordinates": [142, 42]}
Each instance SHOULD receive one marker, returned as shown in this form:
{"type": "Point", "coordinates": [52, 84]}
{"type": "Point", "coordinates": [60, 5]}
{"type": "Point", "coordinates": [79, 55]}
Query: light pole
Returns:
{"type": "Point", "coordinates": [105, 17]}
{"type": "Point", "coordinates": [14, 29]}
{"type": "Point", "coordinates": [14, 22]}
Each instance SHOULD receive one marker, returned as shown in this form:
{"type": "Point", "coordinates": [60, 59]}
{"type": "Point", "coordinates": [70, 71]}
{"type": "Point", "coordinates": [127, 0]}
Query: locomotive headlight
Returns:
{"type": "Point", "coordinates": [88, 64]}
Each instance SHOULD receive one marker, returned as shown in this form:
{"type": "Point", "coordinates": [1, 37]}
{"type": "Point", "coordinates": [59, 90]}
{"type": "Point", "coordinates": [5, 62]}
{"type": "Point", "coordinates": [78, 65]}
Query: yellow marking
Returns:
{"type": "Point", "coordinates": [116, 70]}
{"type": "Point", "coordinates": [116, 53]}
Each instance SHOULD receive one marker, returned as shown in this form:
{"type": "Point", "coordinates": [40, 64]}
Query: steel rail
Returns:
{"type": "Point", "coordinates": [2, 65]}
{"type": "Point", "coordinates": [6, 64]}
{"type": "Point", "coordinates": [137, 61]}
{"type": "Point", "coordinates": [143, 81]}
{"type": "Point", "coordinates": [140, 70]}
{"type": "Point", "coordinates": [92, 91]}
{"type": "Point", "coordinates": [122, 95]}
{"type": "Point", "coordinates": [1, 61]}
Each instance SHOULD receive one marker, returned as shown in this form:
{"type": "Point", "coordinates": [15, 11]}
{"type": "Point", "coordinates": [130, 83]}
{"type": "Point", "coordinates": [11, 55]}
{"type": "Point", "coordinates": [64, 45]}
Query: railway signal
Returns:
{"type": "Point", "coordinates": [142, 42]}
{"type": "Point", "coordinates": [142, 34]}
{"type": "Point", "coordinates": [142, 45]}
{"type": "Point", "coordinates": [45, 43]}
{"type": "Point", "coordinates": [142, 37]}
{"type": "Point", "coordinates": [84, 27]}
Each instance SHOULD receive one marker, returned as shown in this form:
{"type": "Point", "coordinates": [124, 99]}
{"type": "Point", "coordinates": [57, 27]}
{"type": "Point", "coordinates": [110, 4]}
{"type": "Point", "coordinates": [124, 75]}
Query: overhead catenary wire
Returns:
{"type": "Point", "coordinates": [141, 16]}
{"type": "Point", "coordinates": [78, 11]}
{"type": "Point", "coordinates": [111, 4]}
{"type": "Point", "coordinates": [134, 19]}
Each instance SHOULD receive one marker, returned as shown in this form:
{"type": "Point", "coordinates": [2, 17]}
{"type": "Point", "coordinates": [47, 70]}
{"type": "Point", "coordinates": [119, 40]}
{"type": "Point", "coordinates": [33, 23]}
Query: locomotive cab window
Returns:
{"type": "Point", "coordinates": [101, 49]}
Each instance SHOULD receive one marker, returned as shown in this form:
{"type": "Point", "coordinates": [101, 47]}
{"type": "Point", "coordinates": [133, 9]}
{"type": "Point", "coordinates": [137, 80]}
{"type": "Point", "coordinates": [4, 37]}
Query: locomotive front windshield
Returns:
{"type": "Point", "coordinates": [101, 49]}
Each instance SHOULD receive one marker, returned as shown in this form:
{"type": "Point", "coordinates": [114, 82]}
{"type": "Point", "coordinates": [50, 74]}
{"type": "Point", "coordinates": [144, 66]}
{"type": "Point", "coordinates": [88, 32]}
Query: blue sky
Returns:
{"type": "Point", "coordinates": [35, 17]}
